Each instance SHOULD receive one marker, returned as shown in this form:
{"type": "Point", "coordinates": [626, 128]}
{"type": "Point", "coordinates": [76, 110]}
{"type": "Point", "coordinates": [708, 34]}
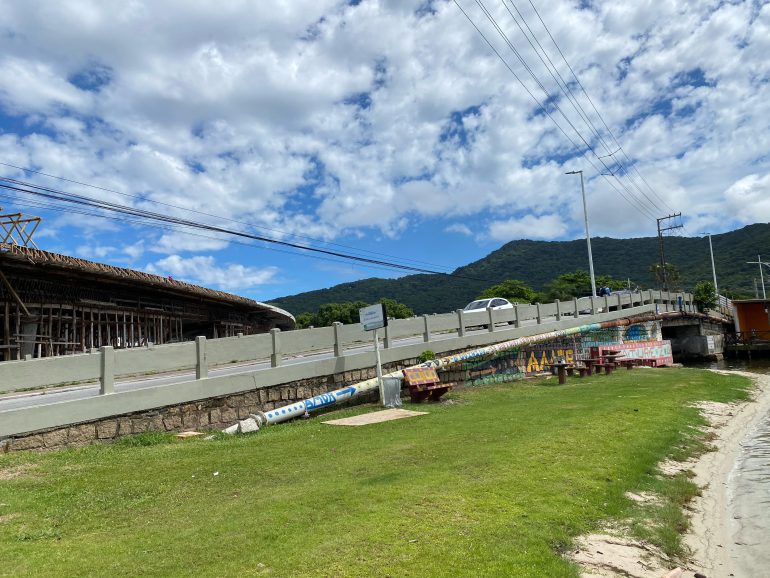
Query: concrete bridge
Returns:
{"type": "Point", "coordinates": [72, 400]}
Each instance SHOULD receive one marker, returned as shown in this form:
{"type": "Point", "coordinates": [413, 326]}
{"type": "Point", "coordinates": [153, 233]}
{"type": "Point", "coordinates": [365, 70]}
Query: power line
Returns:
{"type": "Point", "coordinates": [567, 91]}
{"type": "Point", "coordinates": [582, 88]}
{"type": "Point", "coordinates": [631, 200]}
{"type": "Point", "coordinates": [177, 229]}
{"type": "Point", "coordinates": [79, 200]}
{"type": "Point", "coordinates": [205, 214]}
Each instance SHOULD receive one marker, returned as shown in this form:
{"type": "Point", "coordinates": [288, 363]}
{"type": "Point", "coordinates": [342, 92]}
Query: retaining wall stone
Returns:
{"type": "Point", "coordinates": [208, 414]}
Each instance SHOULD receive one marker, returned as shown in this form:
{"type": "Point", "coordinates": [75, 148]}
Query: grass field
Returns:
{"type": "Point", "coordinates": [497, 482]}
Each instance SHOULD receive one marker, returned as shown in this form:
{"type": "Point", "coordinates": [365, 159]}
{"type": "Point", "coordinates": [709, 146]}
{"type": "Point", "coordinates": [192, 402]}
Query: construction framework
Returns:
{"type": "Point", "coordinates": [52, 304]}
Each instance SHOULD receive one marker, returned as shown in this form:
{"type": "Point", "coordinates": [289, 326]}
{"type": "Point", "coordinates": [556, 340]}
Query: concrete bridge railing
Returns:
{"type": "Point", "coordinates": [107, 364]}
{"type": "Point", "coordinates": [349, 349]}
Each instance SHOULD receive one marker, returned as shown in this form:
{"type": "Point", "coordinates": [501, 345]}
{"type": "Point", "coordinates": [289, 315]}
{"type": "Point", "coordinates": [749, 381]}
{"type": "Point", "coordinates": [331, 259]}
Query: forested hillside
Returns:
{"type": "Point", "coordinates": [538, 262]}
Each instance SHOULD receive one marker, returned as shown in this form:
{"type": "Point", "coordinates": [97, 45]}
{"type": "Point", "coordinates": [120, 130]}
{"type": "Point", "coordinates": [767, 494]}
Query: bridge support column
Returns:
{"type": "Point", "coordinates": [276, 357]}
{"type": "Point", "coordinates": [107, 370]}
{"type": "Point", "coordinates": [201, 364]}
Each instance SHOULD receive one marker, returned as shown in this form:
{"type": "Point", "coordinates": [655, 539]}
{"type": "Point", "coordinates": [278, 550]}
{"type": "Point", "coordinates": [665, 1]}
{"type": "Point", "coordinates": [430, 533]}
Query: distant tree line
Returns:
{"type": "Point", "coordinates": [348, 313]}
{"type": "Point", "coordinates": [564, 288]}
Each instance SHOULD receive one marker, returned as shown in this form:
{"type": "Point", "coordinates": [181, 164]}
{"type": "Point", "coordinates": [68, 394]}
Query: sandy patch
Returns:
{"type": "Point", "coordinates": [8, 517]}
{"type": "Point", "coordinates": [603, 555]}
{"type": "Point", "coordinates": [13, 472]}
{"type": "Point", "coordinates": [713, 553]}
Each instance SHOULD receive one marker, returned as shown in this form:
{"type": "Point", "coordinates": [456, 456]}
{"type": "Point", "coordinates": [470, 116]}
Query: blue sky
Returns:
{"type": "Point", "coordinates": [387, 129]}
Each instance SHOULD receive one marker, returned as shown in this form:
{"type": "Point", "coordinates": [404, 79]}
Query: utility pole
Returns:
{"type": "Point", "coordinates": [661, 230]}
{"type": "Point", "coordinates": [761, 275]}
{"type": "Point", "coordinates": [588, 235]}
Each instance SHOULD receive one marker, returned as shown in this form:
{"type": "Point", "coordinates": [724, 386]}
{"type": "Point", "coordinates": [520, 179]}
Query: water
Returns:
{"type": "Point", "coordinates": [749, 486]}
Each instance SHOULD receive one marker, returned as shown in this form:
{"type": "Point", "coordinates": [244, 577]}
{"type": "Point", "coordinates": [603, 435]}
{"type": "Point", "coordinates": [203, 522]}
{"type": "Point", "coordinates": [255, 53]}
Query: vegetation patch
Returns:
{"type": "Point", "coordinates": [501, 485]}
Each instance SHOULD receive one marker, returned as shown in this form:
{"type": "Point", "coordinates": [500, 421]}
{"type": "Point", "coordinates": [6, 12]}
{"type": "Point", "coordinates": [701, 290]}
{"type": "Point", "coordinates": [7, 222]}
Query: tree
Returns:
{"type": "Point", "coordinates": [396, 310]}
{"type": "Point", "coordinates": [513, 290]}
{"type": "Point", "coordinates": [704, 295]}
{"type": "Point", "coordinates": [347, 313]}
{"type": "Point", "coordinates": [578, 284]}
{"type": "Point", "coordinates": [666, 275]}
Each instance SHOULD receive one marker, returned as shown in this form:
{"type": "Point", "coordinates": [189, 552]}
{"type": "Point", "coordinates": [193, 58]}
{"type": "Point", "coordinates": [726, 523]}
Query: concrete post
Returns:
{"type": "Point", "coordinates": [387, 337]}
{"type": "Point", "coordinates": [620, 301]}
{"type": "Point", "coordinates": [426, 332]}
{"type": "Point", "coordinates": [201, 364]}
{"type": "Point", "coordinates": [539, 318]}
{"type": "Point", "coordinates": [593, 305]}
{"type": "Point", "coordinates": [558, 310]}
{"type": "Point", "coordinates": [575, 304]}
{"type": "Point", "coordinates": [606, 307]}
{"type": "Point", "coordinates": [107, 370]}
{"type": "Point", "coordinates": [338, 351]}
{"type": "Point", "coordinates": [275, 357]}
{"type": "Point", "coordinates": [491, 315]}
{"type": "Point", "coordinates": [461, 323]}
{"type": "Point", "coordinates": [516, 321]}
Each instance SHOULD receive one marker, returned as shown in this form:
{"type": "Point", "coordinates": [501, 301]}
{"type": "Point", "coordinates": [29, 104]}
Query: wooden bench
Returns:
{"type": "Point", "coordinates": [423, 383]}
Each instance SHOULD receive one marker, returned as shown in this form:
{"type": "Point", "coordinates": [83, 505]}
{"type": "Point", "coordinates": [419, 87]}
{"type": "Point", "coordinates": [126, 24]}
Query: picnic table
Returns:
{"type": "Point", "coordinates": [562, 368]}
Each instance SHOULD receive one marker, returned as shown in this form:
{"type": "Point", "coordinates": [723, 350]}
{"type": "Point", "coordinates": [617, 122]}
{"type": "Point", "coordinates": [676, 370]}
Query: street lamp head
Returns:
{"type": "Point", "coordinates": [573, 172]}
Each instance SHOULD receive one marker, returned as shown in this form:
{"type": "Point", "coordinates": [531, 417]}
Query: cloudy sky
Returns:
{"type": "Point", "coordinates": [390, 130]}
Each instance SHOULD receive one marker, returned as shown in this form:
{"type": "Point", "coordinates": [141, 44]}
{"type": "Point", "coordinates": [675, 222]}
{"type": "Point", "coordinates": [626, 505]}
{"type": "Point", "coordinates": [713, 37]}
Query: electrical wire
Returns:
{"type": "Point", "coordinates": [607, 128]}
{"type": "Point", "coordinates": [542, 107]}
{"type": "Point", "coordinates": [227, 219]}
{"type": "Point", "coordinates": [567, 92]}
{"type": "Point", "coordinates": [81, 201]}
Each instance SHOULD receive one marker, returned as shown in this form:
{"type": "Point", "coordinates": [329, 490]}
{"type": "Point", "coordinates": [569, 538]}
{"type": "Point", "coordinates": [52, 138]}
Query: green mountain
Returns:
{"type": "Point", "coordinates": [537, 262]}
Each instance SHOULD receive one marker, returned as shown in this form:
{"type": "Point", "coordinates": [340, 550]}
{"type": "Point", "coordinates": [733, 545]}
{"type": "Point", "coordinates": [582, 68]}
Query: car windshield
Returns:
{"type": "Point", "coordinates": [481, 304]}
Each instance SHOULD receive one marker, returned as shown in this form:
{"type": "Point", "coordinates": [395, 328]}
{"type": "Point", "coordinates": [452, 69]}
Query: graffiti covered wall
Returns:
{"type": "Point", "coordinates": [640, 340]}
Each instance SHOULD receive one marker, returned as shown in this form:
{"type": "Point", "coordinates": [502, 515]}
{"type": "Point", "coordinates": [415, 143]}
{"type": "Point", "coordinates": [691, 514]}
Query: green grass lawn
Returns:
{"type": "Point", "coordinates": [496, 484]}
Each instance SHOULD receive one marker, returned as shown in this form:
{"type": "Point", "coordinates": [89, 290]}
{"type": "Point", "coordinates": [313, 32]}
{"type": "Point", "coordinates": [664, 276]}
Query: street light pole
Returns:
{"type": "Point", "coordinates": [713, 269]}
{"type": "Point", "coordinates": [588, 235]}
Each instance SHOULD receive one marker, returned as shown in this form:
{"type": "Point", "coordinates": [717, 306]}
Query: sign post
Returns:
{"type": "Point", "coordinates": [373, 318]}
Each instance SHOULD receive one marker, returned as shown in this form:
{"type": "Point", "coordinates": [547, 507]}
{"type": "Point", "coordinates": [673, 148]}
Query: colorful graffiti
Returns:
{"type": "Point", "coordinates": [502, 363]}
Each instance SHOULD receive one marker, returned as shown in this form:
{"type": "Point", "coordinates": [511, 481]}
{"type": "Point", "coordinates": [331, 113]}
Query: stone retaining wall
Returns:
{"type": "Point", "coordinates": [208, 414]}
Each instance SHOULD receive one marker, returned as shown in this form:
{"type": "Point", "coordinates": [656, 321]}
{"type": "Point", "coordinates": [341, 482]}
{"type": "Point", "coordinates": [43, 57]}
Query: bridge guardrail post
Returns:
{"type": "Point", "coordinates": [201, 364]}
{"type": "Point", "coordinates": [539, 318]}
{"type": "Point", "coordinates": [593, 305]}
{"type": "Point", "coordinates": [516, 320]}
{"type": "Point", "coordinates": [338, 351]}
{"type": "Point", "coordinates": [426, 331]}
{"type": "Point", "coordinates": [276, 357]}
{"type": "Point", "coordinates": [107, 370]}
{"type": "Point", "coordinates": [620, 301]}
{"type": "Point", "coordinates": [606, 307]}
{"type": "Point", "coordinates": [577, 309]}
{"type": "Point", "coordinates": [491, 314]}
{"type": "Point", "coordinates": [461, 322]}
{"type": "Point", "coordinates": [558, 309]}
{"type": "Point", "coordinates": [387, 340]}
